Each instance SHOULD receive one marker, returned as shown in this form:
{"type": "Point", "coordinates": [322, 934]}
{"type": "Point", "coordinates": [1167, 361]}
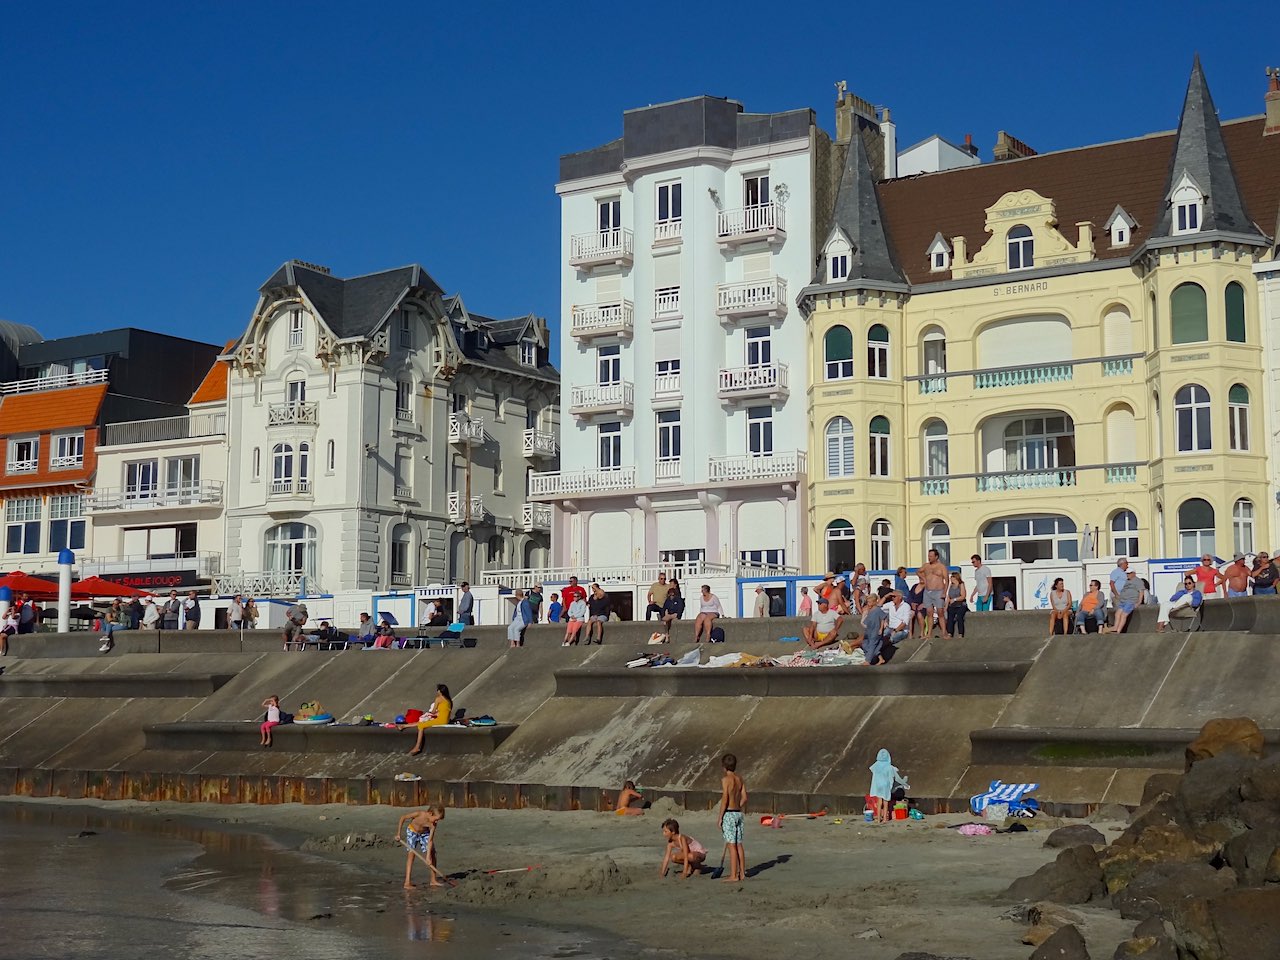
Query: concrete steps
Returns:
{"type": "Point", "coordinates": [113, 685]}
{"type": "Point", "coordinates": [328, 738]}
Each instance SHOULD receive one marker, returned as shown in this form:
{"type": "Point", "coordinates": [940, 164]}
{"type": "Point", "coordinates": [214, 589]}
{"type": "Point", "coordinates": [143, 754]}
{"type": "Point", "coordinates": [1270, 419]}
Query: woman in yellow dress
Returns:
{"type": "Point", "coordinates": [439, 714]}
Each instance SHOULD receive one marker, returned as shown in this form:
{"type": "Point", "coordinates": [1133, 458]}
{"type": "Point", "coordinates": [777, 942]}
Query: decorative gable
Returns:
{"type": "Point", "coordinates": [1024, 234]}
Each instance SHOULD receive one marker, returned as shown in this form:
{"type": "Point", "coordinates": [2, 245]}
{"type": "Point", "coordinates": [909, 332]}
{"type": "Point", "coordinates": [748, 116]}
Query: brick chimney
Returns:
{"type": "Point", "coordinates": [969, 147]}
{"type": "Point", "coordinates": [1272, 101]}
{"type": "Point", "coordinates": [1010, 148]}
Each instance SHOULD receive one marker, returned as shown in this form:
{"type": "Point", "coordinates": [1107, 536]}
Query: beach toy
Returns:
{"type": "Point", "coordinates": [400, 719]}
{"type": "Point", "coordinates": [310, 712]}
{"type": "Point", "coordinates": [407, 777]}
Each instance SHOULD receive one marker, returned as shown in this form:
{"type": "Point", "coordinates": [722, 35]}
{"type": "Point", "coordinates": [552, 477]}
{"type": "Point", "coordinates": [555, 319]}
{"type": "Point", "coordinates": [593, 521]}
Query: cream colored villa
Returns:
{"type": "Point", "coordinates": [1033, 357]}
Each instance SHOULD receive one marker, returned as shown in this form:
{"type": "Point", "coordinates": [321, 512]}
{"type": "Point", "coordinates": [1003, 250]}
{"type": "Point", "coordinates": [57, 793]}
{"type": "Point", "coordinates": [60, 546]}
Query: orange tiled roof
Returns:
{"type": "Point", "coordinates": [213, 388]}
{"type": "Point", "coordinates": [46, 410]}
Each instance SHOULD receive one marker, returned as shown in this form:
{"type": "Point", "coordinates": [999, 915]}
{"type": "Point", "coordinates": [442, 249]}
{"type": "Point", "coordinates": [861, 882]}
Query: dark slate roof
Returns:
{"type": "Point", "coordinates": [1200, 151]}
{"type": "Point", "coordinates": [694, 122]}
{"type": "Point", "coordinates": [355, 307]}
{"type": "Point", "coordinates": [858, 213]}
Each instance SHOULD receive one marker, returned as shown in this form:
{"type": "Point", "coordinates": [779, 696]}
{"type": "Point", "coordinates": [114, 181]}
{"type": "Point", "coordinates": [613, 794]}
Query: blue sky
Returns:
{"type": "Point", "coordinates": [160, 160]}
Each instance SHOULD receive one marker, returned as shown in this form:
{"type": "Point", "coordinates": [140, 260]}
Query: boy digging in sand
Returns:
{"type": "Point", "coordinates": [683, 850]}
{"type": "Point", "coordinates": [417, 831]}
{"type": "Point", "coordinates": [733, 801]}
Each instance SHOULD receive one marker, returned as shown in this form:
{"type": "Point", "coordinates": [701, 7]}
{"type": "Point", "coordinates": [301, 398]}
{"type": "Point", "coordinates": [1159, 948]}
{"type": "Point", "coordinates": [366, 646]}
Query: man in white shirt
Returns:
{"type": "Point", "coordinates": [981, 595]}
{"type": "Point", "coordinates": [824, 629]}
{"type": "Point", "coordinates": [898, 612]}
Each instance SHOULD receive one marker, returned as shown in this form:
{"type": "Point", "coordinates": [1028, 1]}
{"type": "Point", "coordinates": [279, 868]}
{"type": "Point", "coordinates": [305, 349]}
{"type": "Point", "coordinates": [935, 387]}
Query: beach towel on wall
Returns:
{"type": "Point", "coordinates": [1001, 792]}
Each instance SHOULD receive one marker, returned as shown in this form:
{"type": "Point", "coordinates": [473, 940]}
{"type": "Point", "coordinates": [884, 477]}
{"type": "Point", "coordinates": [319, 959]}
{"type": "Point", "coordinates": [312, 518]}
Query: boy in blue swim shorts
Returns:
{"type": "Point", "coordinates": [417, 831]}
{"type": "Point", "coordinates": [733, 801]}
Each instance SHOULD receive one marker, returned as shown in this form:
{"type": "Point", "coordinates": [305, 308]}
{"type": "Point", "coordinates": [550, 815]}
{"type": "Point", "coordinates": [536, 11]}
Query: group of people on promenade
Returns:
{"type": "Point", "coordinates": [879, 619]}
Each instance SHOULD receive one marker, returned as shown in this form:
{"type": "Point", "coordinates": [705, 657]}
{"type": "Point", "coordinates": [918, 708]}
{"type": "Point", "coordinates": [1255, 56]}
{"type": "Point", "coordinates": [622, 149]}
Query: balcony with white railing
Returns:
{"type": "Point", "coordinates": [164, 428]}
{"type": "Point", "coordinates": [764, 381]}
{"type": "Point", "coordinates": [465, 429]}
{"type": "Point", "coordinates": [762, 221]}
{"type": "Point", "coordinates": [66, 463]}
{"type": "Point", "coordinates": [615, 319]}
{"type": "Point", "coordinates": [56, 382]}
{"type": "Point", "coordinates": [535, 516]}
{"type": "Point", "coordinates": [203, 564]}
{"type": "Point", "coordinates": [766, 298]}
{"type": "Point", "coordinates": [667, 470]}
{"type": "Point", "coordinates": [667, 231]}
{"type": "Point", "coordinates": [206, 493]}
{"type": "Point", "coordinates": [603, 398]}
{"type": "Point", "coordinates": [292, 413]}
{"type": "Point", "coordinates": [403, 492]}
{"type": "Point", "coordinates": [601, 247]}
{"type": "Point", "coordinates": [22, 466]}
{"type": "Point", "coordinates": [289, 488]}
{"type": "Point", "coordinates": [773, 466]}
{"type": "Point", "coordinates": [666, 386]}
{"type": "Point", "coordinates": [266, 583]}
{"type": "Point", "coordinates": [568, 483]}
{"type": "Point", "coordinates": [537, 443]}
{"type": "Point", "coordinates": [666, 303]}
{"type": "Point", "coordinates": [457, 508]}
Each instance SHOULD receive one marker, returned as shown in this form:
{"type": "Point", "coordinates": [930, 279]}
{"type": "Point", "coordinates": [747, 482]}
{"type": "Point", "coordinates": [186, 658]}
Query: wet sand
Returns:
{"type": "Point", "coordinates": [834, 889]}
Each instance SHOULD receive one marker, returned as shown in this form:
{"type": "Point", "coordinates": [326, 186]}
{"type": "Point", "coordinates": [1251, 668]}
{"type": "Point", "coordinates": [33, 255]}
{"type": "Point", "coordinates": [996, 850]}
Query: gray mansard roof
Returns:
{"type": "Point", "coordinates": [355, 307]}
{"type": "Point", "coordinates": [702, 121]}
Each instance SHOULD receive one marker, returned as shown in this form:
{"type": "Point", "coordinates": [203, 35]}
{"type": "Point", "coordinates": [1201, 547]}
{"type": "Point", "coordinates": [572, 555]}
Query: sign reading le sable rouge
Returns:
{"type": "Point", "coordinates": [154, 580]}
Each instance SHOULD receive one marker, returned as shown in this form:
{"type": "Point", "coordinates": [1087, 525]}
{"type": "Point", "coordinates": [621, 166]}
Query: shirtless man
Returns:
{"type": "Point", "coordinates": [733, 801]}
{"type": "Point", "coordinates": [1236, 576]}
{"type": "Point", "coordinates": [630, 801]}
{"type": "Point", "coordinates": [934, 577]}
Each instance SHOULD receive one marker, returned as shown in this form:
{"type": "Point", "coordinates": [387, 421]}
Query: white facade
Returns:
{"type": "Point", "coordinates": [679, 272]}
{"type": "Point", "coordinates": [1268, 274]}
{"type": "Point", "coordinates": [933, 155]}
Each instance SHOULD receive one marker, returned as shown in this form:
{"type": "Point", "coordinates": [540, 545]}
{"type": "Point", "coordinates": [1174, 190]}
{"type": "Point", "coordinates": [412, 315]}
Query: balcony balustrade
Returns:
{"type": "Point", "coordinates": [457, 507]}
{"type": "Point", "coordinates": [667, 231]}
{"type": "Point", "coordinates": [22, 466]}
{"type": "Point", "coordinates": [762, 221]}
{"type": "Point", "coordinates": [465, 429]}
{"type": "Point", "coordinates": [597, 398]}
{"type": "Point", "coordinates": [562, 483]}
{"type": "Point", "coordinates": [935, 487]}
{"type": "Point", "coordinates": [766, 298]}
{"type": "Point", "coordinates": [164, 428]}
{"type": "Point", "coordinates": [287, 487]}
{"type": "Point", "coordinates": [536, 516]}
{"type": "Point", "coordinates": [1025, 375]}
{"type": "Point", "coordinates": [58, 381]}
{"type": "Point", "coordinates": [1026, 480]}
{"type": "Point", "coordinates": [292, 413]}
{"type": "Point", "coordinates": [201, 494]}
{"type": "Point", "coordinates": [760, 381]}
{"type": "Point", "coordinates": [539, 444]}
{"type": "Point", "coordinates": [600, 247]}
{"type": "Point", "coordinates": [666, 302]}
{"type": "Point", "coordinates": [615, 319]}
{"type": "Point", "coordinates": [666, 386]}
{"type": "Point", "coordinates": [667, 470]}
{"type": "Point", "coordinates": [764, 467]}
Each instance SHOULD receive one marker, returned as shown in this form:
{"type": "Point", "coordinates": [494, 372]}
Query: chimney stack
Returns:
{"type": "Point", "coordinates": [1010, 148]}
{"type": "Point", "coordinates": [849, 109]}
{"type": "Point", "coordinates": [969, 148]}
{"type": "Point", "coordinates": [1272, 101]}
{"type": "Point", "coordinates": [889, 131]}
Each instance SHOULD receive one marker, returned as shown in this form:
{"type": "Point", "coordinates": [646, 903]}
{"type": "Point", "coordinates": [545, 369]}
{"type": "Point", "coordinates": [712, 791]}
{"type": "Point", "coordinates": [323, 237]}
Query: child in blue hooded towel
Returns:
{"type": "Point", "coordinates": [884, 775]}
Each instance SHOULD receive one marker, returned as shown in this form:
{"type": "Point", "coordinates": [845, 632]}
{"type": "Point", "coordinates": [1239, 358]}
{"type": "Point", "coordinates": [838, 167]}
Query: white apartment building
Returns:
{"type": "Point", "coordinates": [684, 244]}
{"type": "Point", "coordinates": [379, 436]}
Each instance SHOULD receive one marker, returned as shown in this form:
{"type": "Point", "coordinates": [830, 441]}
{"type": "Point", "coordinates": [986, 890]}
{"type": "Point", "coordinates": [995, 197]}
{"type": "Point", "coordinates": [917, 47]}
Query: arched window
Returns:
{"type": "Point", "coordinates": [282, 468]}
{"type": "Point", "coordinates": [1122, 435]}
{"type": "Point", "coordinates": [1195, 528]}
{"type": "Point", "coordinates": [1124, 534]}
{"type": "Point", "coordinates": [1187, 202]}
{"type": "Point", "coordinates": [1188, 314]}
{"type": "Point", "coordinates": [1031, 538]}
{"type": "Point", "coordinates": [1117, 332]}
{"type": "Point", "coordinates": [401, 575]}
{"type": "Point", "coordinates": [1191, 412]}
{"type": "Point", "coordinates": [879, 463]}
{"type": "Point", "coordinates": [881, 551]}
{"type": "Point", "coordinates": [1238, 417]}
{"type": "Point", "coordinates": [937, 536]}
{"type": "Point", "coordinates": [1242, 526]}
{"type": "Point", "coordinates": [839, 448]}
{"type": "Point", "coordinates": [841, 546]}
{"type": "Point", "coordinates": [878, 352]}
{"type": "Point", "coordinates": [933, 352]}
{"type": "Point", "coordinates": [1234, 298]}
{"type": "Point", "coordinates": [1040, 443]}
{"type": "Point", "coordinates": [291, 548]}
{"type": "Point", "coordinates": [837, 349]}
{"type": "Point", "coordinates": [1021, 248]}
{"type": "Point", "coordinates": [937, 460]}
{"type": "Point", "coordinates": [494, 551]}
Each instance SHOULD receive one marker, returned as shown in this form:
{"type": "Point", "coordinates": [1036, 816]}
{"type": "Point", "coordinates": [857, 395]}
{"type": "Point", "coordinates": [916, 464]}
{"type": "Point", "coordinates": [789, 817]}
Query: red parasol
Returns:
{"type": "Point", "coordinates": [98, 587]}
{"type": "Point", "coordinates": [37, 587]}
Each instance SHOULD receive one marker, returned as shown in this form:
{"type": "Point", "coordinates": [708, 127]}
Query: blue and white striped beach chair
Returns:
{"type": "Point", "coordinates": [1001, 792]}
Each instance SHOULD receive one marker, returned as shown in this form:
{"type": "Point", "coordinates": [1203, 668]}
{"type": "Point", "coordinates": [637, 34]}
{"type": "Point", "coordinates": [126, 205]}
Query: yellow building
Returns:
{"type": "Point", "coordinates": [1026, 357]}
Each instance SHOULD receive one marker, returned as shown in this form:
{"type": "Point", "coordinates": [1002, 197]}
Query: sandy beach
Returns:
{"type": "Point", "coordinates": [837, 887]}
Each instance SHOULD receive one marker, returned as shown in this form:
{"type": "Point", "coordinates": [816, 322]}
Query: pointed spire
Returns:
{"type": "Point", "coordinates": [858, 214]}
{"type": "Point", "coordinates": [1200, 154]}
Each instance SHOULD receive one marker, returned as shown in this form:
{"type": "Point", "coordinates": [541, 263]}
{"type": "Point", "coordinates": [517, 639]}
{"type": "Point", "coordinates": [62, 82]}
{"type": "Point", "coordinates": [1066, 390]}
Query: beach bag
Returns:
{"type": "Point", "coordinates": [285, 717]}
{"type": "Point", "coordinates": [657, 638]}
{"type": "Point", "coordinates": [412, 716]}
{"type": "Point", "coordinates": [717, 635]}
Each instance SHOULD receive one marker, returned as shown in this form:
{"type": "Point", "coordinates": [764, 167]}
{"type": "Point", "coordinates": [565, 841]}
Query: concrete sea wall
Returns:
{"type": "Point", "coordinates": [1087, 717]}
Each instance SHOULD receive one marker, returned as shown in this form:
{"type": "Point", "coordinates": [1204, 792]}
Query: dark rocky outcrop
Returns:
{"type": "Point", "coordinates": [1236, 925]}
{"type": "Point", "coordinates": [1074, 877]}
{"type": "Point", "coordinates": [1155, 891]}
{"type": "Point", "coordinates": [1074, 836]}
{"type": "Point", "coordinates": [1150, 941]}
{"type": "Point", "coordinates": [1065, 944]}
{"type": "Point", "coordinates": [1226, 736]}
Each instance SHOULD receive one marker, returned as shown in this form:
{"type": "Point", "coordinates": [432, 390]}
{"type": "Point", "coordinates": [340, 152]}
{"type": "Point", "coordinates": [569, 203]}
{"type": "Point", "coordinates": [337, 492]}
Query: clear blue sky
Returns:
{"type": "Point", "coordinates": [160, 160]}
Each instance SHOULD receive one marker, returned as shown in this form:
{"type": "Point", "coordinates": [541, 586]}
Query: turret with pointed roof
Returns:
{"type": "Point", "coordinates": [1200, 154]}
{"type": "Point", "coordinates": [859, 217]}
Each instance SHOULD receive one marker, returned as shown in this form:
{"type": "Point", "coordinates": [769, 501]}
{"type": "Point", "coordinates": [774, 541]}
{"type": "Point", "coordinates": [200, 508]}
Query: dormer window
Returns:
{"type": "Point", "coordinates": [1120, 225]}
{"type": "Point", "coordinates": [1119, 235]}
{"type": "Point", "coordinates": [939, 255]}
{"type": "Point", "coordinates": [838, 267]}
{"type": "Point", "coordinates": [1021, 248]}
{"type": "Point", "coordinates": [406, 330]}
{"type": "Point", "coordinates": [528, 353]}
{"type": "Point", "coordinates": [1188, 206]}
{"type": "Point", "coordinates": [838, 254]}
